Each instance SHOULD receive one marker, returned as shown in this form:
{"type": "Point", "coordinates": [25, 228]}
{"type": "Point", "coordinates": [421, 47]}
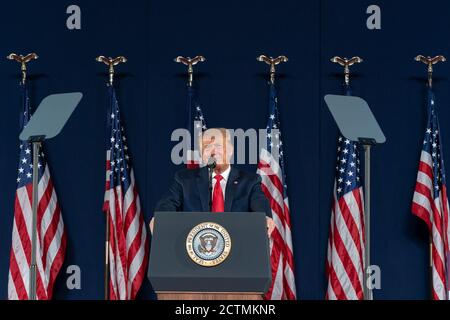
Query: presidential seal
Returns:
{"type": "Point", "coordinates": [208, 244]}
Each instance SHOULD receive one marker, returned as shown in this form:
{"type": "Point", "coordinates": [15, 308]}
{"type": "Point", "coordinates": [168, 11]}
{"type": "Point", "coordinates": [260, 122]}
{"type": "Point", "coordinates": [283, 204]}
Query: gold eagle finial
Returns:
{"type": "Point", "coordinates": [23, 60]}
{"type": "Point", "coordinates": [272, 62]}
{"type": "Point", "coordinates": [346, 63]}
{"type": "Point", "coordinates": [189, 62]}
{"type": "Point", "coordinates": [111, 62]}
{"type": "Point", "coordinates": [429, 61]}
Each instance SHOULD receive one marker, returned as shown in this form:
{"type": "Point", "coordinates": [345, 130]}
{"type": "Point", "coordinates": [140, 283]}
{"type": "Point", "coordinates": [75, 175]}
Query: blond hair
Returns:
{"type": "Point", "coordinates": [214, 134]}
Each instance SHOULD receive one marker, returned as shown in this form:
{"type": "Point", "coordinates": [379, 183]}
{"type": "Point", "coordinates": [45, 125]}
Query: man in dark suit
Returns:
{"type": "Point", "coordinates": [233, 189]}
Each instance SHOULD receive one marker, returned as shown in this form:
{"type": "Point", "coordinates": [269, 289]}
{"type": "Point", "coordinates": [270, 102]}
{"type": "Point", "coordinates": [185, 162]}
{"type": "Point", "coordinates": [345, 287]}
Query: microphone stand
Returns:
{"type": "Point", "coordinates": [210, 171]}
{"type": "Point", "coordinates": [211, 165]}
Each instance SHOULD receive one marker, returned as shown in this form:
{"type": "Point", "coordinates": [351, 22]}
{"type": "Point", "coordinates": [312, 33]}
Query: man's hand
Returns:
{"type": "Point", "coordinates": [270, 226]}
{"type": "Point", "coordinates": [152, 222]}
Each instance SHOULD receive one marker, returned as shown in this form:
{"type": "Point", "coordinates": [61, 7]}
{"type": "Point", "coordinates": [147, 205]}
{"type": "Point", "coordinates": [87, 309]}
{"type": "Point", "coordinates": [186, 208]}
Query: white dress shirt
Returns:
{"type": "Point", "coordinates": [223, 182]}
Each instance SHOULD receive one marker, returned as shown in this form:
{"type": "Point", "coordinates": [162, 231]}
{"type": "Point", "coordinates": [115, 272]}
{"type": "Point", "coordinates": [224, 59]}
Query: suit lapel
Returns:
{"type": "Point", "coordinates": [230, 190]}
{"type": "Point", "coordinates": [202, 185]}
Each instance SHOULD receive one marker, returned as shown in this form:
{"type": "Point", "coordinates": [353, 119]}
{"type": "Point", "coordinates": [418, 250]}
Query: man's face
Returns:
{"type": "Point", "coordinates": [218, 147]}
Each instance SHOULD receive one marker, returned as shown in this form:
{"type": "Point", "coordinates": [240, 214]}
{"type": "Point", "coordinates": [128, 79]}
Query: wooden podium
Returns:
{"type": "Point", "coordinates": [178, 271]}
{"type": "Point", "coordinates": [209, 296]}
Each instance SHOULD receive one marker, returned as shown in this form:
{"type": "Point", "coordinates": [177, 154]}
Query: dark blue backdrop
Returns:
{"type": "Point", "coordinates": [151, 90]}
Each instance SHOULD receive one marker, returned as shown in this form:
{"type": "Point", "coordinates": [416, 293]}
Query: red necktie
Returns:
{"type": "Point", "coordinates": [218, 203]}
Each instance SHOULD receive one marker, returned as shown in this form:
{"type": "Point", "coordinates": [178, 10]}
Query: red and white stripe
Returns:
{"type": "Point", "coordinates": [128, 246]}
{"type": "Point", "coordinates": [281, 252]}
{"type": "Point", "coordinates": [194, 160]}
{"type": "Point", "coordinates": [345, 257]}
{"type": "Point", "coordinates": [435, 213]}
{"type": "Point", "coordinates": [50, 245]}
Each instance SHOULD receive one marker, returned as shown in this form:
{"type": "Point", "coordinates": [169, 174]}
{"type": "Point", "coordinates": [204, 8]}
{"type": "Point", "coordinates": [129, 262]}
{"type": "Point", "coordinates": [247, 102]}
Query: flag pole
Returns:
{"type": "Point", "coordinates": [368, 295]}
{"type": "Point", "coordinates": [272, 62]}
{"type": "Point", "coordinates": [192, 155]}
{"type": "Point", "coordinates": [110, 62]}
{"type": "Point", "coordinates": [429, 61]}
{"type": "Point", "coordinates": [23, 60]}
{"type": "Point", "coordinates": [190, 62]}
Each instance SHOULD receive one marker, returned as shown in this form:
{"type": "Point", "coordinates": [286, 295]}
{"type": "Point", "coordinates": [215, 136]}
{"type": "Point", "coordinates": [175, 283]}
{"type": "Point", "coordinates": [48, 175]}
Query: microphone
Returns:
{"type": "Point", "coordinates": [211, 164]}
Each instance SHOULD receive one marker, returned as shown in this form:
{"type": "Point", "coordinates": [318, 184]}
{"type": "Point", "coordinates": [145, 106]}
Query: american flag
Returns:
{"type": "Point", "coordinates": [430, 202]}
{"type": "Point", "coordinates": [194, 117]}
{"type": "Point", "coordinates": [345, 258]}
{"type": "Point", "coordinates": [271, 170]}
{"type": "Point", "coordinates": [51, 236]}
{"type": "Point", "coordinates": [128, 246]}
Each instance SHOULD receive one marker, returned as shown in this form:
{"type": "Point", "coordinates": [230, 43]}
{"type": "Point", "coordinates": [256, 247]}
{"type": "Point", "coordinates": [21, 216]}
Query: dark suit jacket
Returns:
{"type": "Point", "coordinates": [189, 192]}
